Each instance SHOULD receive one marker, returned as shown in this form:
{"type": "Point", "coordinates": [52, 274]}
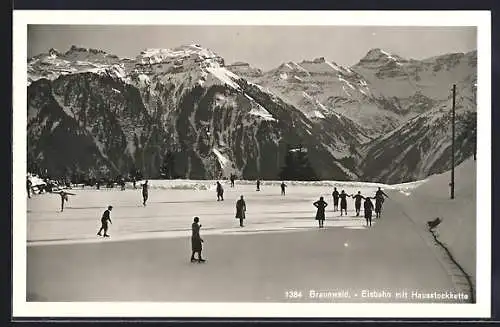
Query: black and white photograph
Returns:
{"type": "Point", "coordinates": [213, 160]}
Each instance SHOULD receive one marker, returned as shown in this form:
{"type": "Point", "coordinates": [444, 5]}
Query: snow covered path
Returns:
{"type": "Point", "coordinates": [358, 264]}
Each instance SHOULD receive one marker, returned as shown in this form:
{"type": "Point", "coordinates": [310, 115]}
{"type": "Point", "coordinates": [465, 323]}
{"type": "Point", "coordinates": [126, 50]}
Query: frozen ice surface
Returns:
{"type": "Point", "coordinates": [173, 204]}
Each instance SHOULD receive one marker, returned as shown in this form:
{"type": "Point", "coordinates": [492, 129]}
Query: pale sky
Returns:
{"type": "Point", "coordinates": [264, 47]}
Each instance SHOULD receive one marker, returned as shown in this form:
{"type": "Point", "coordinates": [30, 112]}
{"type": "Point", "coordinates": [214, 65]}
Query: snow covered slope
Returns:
{"type": "Point", "coordinates": [381, 120]}
{"type": "Point", "coordinates": [421, 146]}
{"type": "Point", "coordinates": [379, 93]}
{"type": "Point", "coordinates": [94, 112]}
{"type": "Point", "coordinates": [431, 199]}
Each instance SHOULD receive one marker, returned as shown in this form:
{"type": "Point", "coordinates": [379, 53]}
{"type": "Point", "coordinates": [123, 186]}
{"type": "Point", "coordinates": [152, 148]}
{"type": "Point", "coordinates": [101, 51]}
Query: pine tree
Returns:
{"type": "Point", "coordinates": [168, 166]}
{"type": "Point", "coordinates": [297, 165]}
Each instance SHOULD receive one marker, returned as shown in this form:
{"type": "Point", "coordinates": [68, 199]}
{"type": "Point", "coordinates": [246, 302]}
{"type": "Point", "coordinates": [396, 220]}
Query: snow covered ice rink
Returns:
{"type": "Point", "coordinates": [172, 205]}
{"type": "Point", "coordinates": [280, 249]}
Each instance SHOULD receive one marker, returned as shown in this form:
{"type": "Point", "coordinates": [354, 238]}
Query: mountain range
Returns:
{"type": "Point", "coordinates": [384, 119]}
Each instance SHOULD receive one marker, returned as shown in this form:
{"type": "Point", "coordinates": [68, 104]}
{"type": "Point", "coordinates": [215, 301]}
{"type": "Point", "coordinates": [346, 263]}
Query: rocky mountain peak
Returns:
{"type": "Point", "coordinates": [192, 52]}
{"type": "Point", "coordinates": [76, 49]}
{"type": "Point", "coordinates": [319, 60]}
{"type": "Point", "coordinates": [53, 52]}
{"type": "Point", "coordinates": [378, 55]}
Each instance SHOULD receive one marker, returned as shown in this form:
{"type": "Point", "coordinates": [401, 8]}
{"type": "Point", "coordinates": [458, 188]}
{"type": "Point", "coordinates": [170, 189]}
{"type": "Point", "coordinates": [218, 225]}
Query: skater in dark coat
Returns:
{"type": "Point", "coordinates": [28, 187]}
{"type": "Point", "coordinates": [357, 202]}
{"type": "Point", "coordinates": [145, 194]}
{"type": "Point", "coordinates": [343, 202]}
{"type": "Point", "coordinates": [335, 195]}
{"type": "Point", "coordinates": [64, 198]}
{"type": "Point", "coordinates": [283, 186]}
{"type": "Point", "coordinates": [368, 211]}
{"type": "Point", "coordinates": [379, 200]}
{"type": "Point", "coordinates": [258, 185]}
{"type": "Point", "coordinates": [220, 192]}
{"type": "Point", "coordinates": [196, 240]}
{"type": "Point", "coordinates": [240, 210]}
{"type": "Point", "coordinates": [320, 214]}
{"type": "Point", "coordinates": [232, 179]}
{"type": "Point", "coordinates": [378, 208]}
{"type": "Point", "coordinates": [104, 222]}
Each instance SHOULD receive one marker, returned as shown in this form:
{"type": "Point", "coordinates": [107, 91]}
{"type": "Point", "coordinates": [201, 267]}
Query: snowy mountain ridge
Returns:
{"type": "Point", "coordinates": [134, 113]}
{"type": "Point", "coordinates": [380, 92]}
{"type": "Point", "coordinates": [221, 118]}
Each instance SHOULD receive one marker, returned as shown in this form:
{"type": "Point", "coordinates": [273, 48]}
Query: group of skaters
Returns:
{"type": "Point", "coordinates": [197, 241]}
{"type": "Point", "coordinates": [342, 196]}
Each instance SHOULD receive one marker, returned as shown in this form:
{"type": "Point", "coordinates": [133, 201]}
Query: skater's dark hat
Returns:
{"type": "Point", "coordinates": [110, 207]}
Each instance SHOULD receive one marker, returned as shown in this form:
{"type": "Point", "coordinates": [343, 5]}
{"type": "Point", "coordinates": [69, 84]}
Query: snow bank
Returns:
{"type": "Point", "coordinates": [187, 184]}
{"type": "Point", "coordinates": [35, 180]}
{"type": "Point", "coordinates": [178, 184]}
{"type": "Point", "coordinates": [431, 199]}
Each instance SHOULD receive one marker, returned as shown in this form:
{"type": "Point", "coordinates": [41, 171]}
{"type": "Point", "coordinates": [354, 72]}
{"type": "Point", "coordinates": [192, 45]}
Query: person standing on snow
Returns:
{"type": "Point", "coordinates": [258, 185]}
{"type": "Point", "coordinates": [104, 222]}
{"type": "Point", "coordinates": [335, 195]}
{"type": "Point", "coordinates": [196, 240]}
{"type": "Point", "coordinates": [379, 200]}
{"type": "Point", "coordinates": [145, 194]}
{"type": "Point", "coordinates": [357, 202]}
{"type": "Point", "coordinates": [343, 202]}
{"type": "Point", "coordinates": [28, 187]}
{"type": "Point", "coordinates": [368, 211]}
{"type": "Point", "coordinates": [241, 208]}
{"type": "Point", "coordinates": [283, 186]}
{"type": "Point", "coordinates": [220, 192]}
{"type": "Point", "coordinates": [320, 213]}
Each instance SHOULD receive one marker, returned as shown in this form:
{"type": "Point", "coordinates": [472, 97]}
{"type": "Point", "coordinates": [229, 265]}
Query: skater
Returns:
{"type": "Point", "coordinates": [335, 195]}
{"type": "Point", "coordinates": [240, 210]}
{"type": "Point", "coordinates": [368, 211]}
{"type": "Point", "coordinates": [379, 200]}
{"type": "Point", "coordinates": [357, 202]}
{"type": "Point", "coordinates": [258, 185]}
{"type": "Point", "coordinates": [343, 202]}
{"type": "Point", "coordinates": [64, 198]}
{"type": "Point", "coordinates": [378, 207]}
{"type": "Point", "coordinates": [98, 184]}
{"type": "Point", "coordinates": [104, 222]}
{"type": "Point", "coordinates": [133, 183]}
{"type": "Point", "coordinates": [232, 177]}
{"type": "Point", "coordinates": [320, 214]}
{"type": "Point", "coordinates": [196, 240]}
{"type": "Point", "coordinates": [145, 188]}
{"type": "Point", "coordinates": [28, 187]}
{"type": "Point", "coordinates": [380, 194]}
{"type": "Point", "coordinates": [122, 183]}
{"type": "Point", "coordinates": [283, 186]}
{"type": "Point", "coordinates": [220, 192]}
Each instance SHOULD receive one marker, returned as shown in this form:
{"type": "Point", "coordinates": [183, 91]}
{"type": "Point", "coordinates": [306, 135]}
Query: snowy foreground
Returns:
{"type": "Point", "coordinates": [280, 255]}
